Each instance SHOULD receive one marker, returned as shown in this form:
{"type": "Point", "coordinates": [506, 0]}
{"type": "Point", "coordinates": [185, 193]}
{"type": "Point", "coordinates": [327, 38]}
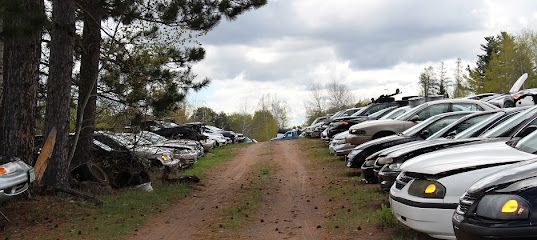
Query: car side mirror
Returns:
{"type": "Point", "coordinates": [415, 118]}
{"type": "Point", "coordinates": [527, 131]}
{"type": "Point", "coordinates": [424, 134]}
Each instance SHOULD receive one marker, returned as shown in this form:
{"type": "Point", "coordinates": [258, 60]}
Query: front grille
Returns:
{"type": "Point", "coordinates": [402, 180]}
{"type": "Point", "coordinates": [465, 203]}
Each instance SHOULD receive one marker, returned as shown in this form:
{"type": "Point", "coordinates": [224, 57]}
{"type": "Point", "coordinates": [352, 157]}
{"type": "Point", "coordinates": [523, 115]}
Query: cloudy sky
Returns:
{"type": "Point", "coordinates": [369, 45]}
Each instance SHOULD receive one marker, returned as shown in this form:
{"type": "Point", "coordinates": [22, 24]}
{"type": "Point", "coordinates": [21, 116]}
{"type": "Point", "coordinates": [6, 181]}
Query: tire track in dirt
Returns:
{"type": "Point", "coordinates": [292, 207]}
{"type": "Point", "coordinates": [190, 217]}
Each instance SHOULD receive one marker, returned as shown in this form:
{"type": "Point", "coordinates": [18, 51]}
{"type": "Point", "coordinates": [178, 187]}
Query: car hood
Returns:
{"type": "Point", "coordinates": [152, 149]}
{"type": "Point", "coordinates": [386, 151]}
{"type": "Point", "coordinates": [417, 146]}
{"type": "Point", "coordinates": [379, 141]}
{"type": "Point", "coordinates": [375, 123]}
{"type": "Point", "coordinates": [519, 176]}
{"type": "Point", "coordinates": [468, 156]}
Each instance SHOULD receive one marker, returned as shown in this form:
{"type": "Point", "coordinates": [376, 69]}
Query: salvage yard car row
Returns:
{"type": "Point", "coordinates": [123, 159]}
{"type": "Point", "coordinates": [454, 168]}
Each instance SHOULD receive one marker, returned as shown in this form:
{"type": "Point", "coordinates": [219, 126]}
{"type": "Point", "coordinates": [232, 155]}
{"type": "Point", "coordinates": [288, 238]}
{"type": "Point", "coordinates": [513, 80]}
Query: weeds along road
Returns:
{"type": "Point", "coordinates": [265, 192]}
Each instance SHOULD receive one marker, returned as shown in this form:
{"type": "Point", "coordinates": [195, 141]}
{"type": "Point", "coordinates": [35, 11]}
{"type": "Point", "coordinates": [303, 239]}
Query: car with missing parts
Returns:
{"type": "Point", "coordinates": [363, 132]}
{"type": "Point", "coordinates": [500, 206]}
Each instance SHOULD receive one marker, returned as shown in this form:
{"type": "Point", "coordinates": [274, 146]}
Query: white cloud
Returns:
{"type": "Point", "coordinates": [369, 45]}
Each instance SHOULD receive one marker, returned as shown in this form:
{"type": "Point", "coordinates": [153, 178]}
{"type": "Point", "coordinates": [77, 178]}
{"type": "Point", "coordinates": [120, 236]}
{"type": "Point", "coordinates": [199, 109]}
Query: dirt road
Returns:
{"type": "Point", "coordinates": [291, 206]}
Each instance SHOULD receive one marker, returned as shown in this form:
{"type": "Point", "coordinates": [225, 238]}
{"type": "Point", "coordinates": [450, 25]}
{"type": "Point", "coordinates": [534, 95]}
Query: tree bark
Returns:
{"type": "Point", "coordinates": [59, 89]}
{"type": "Point", "coordinates": [22, 29]}
{"type": "Point", "coordinates": [89, 73]}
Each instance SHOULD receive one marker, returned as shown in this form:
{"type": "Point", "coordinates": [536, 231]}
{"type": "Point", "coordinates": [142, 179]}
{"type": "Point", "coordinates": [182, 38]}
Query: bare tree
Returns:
{"type": "Point", "coordinates": [339, 95]}
{"type": "Point", "coordinates": [427, 81]}
{"type": "Point", "coordinates": [279, 107]}
{"type": "Point", "coordinates": [459, 88]}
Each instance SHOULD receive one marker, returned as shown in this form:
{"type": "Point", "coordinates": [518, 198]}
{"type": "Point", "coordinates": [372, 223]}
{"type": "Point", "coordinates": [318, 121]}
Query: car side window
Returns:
{"type": "Point", "coordinates": [466, 107]}
{"type": "Point", "coordinates": [436, 126]}
{"type": "Point", "coordinates": [433, 110]}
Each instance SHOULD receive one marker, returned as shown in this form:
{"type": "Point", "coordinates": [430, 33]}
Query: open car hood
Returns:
{"type": "Point", "coordinates": [519, 83]}
{"type": "Point", "coordinates": [468, 156]}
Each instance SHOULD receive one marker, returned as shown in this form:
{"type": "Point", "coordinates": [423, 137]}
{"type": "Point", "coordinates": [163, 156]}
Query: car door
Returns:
{"type": "Point", "coordinates": [433, 110]}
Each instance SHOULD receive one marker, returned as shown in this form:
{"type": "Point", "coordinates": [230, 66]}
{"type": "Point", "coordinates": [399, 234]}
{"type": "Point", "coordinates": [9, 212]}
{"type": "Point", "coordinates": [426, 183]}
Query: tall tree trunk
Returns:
{"type": "Point", "coordinates": [22, 29]}
{"type": "Point", "coordinates": [62, 40]}
{"type": "Point", "coordinates": [89, 72]}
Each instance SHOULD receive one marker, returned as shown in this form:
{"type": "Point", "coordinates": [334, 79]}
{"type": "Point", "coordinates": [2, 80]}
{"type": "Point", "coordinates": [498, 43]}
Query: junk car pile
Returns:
{"type": "Point", "coordinates": [126, 158]}
{"type": "Point", "coordinates": [454, 168]}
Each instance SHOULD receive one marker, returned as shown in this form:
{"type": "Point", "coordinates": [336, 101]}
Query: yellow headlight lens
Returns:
{"type": "Point", "coordinates": [164, 158]}
{"type": "Point", "coordinates": [510, 206]}
{"type": "Point", "coordinates": [431, 188]}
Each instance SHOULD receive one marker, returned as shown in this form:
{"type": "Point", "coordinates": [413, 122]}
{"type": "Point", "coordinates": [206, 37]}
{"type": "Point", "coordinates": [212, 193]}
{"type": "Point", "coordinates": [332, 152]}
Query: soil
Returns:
{"type": "Point", "coordinates": [291, 207]}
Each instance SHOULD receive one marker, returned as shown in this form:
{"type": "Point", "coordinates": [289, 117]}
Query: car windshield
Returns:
{"type": "Point", "coordinates": [134, 140]}
{"type": "Point", "coordinates": [408, 114]}
{"type": "Point", "coordinates": [349, 112]}
{"type": "Point", "coordinates": [461, 126]}
{"type": "Point", "coordinates": [380, 113]}
{"type": "Point", "coordinates": [506, 128]}
{"type": "Point", "coordinates": [476, 129]}
{"type": "Point", "coordinates": [396, 113]}
{"type": "Point", "coordinates": [152, 137]}
{"type": "Point", "coordinates": [528, 143]}
{"type": "Point", "coordinates": [431, 124]}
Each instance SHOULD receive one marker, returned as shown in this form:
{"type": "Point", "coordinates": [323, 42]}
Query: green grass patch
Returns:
{"type": "Point", "coordinates": [364, 204]}
{"type": "Point", "coordinates": [249, 202]}
{"type": "Point", "coordinates": [216, 157]}
{"type": "Point", "coordinates": [122, 212]}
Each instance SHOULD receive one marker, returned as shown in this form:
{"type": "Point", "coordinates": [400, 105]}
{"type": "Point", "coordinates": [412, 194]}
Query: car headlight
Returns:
{"type": "Point", "coordinates": [395, 167]}
{"type": "Point", "coordinates": [166, 157]}
{"type": "Point", "coordinates": [504, 207]}
{"type": "Point", "coordinates": [384, 160]}
{"type": "Point", "coordinates": [8, 168]}
{"type": "Point", "coordinates": [427, 189]}
{"type": "Point", "coordinates": [369, 163]}
{"type": "Point", "coordinates": [357, 132]}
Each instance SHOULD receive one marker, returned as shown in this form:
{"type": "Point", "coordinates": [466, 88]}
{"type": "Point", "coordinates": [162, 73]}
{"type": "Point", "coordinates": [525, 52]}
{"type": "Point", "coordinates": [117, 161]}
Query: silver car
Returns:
{"type": "Point", "coordinates": [15, 178]}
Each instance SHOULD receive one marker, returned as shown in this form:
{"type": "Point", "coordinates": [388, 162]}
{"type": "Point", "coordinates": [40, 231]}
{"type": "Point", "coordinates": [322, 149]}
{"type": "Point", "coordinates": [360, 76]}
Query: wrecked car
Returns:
{"type": "Point", "coordinates": [159, 157]}
{"type": "Point", "coordinates": [339, 146]}
{"type": "Point", "coordinates": [426, 193]}
{"type": "Point", "coordinates": [500, 206]}
{"type": "Point", "coordinates": [366, 131]}
{"type": "Point", "coordinates": [387, 162]}
{"type": "Point", "coordinates": [15, 178]}
{"type": "Point", "coordinates": [421, 131]}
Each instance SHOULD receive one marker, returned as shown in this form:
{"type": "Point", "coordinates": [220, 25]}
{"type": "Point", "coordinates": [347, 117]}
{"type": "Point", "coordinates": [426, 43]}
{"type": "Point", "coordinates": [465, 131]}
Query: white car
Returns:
{"type": "Point", "coordinates": [427, 191]}
{"type": "Point", "coordinates": [338, 146]}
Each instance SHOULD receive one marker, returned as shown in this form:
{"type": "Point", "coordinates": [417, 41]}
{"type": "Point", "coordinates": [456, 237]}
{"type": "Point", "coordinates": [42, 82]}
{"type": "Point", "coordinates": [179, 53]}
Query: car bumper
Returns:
{"type": "Point", "coordinates": [358, 139]}
{"type": "Point", "coordinates": [387, 179]}
{"type": "Point", "coordinates": [173, 163]}
{"type": "Point", "coordinates": [16, 183]}
{"type": "Point", "coordinates": [341, 149]}
{"type": "Point", "coordinates": [469, 231]}
{"type": "Point", "coordinates": [426, 220]}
